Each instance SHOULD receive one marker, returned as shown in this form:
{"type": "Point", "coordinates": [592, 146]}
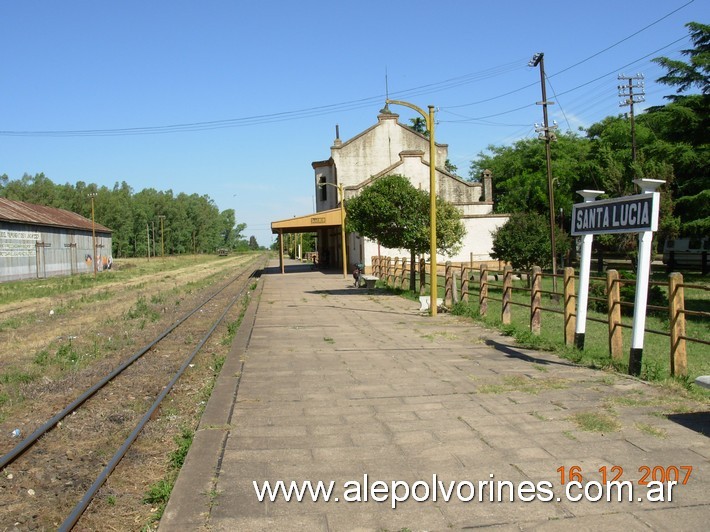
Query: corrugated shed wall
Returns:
{"type": "Point", "coordinates": [38, 242]}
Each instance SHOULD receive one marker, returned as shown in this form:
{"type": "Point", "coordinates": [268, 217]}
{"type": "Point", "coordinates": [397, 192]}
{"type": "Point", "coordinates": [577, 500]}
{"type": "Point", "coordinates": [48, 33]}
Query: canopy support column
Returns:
{"type": "Point", "coordinates": [281, 251]}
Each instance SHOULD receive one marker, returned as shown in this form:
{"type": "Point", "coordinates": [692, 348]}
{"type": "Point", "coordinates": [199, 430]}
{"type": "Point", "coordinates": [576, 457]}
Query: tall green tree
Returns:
{"type": "Point", "coordinates": [520, 173]}
{"type": "Point", "coordinates": [192, 223]}
{"type": "Point", "coordinates": [524, 241]}
{"type": "Point", "coordinates": [684, 127]}
{"type": "Point", "coordinates": [396, 214]}
{"type": "Point", "coordinates": [694, 73]}
{"type": "Point", "coordinates": [419, 125]}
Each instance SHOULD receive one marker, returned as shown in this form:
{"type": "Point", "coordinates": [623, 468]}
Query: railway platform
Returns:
{"type": "Point", "coordinates": [419, 423]}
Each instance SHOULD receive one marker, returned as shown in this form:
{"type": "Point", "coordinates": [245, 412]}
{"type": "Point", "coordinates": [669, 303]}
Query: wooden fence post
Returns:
{"type": "Point", "coordinates": [465, 274]}
{"type": "Point", "coordinates": [395, 276]}
{"type": "Point", "coordinates": [535, 314]}
{"type": "Point", "coordinates": [410, 273]}
{"type": "Point", "coordinates": [404, 273]}
{"type": "Point", "coordinates": [569, 306]}
{"type": "Point", "coordinates": [483, 290]}
{"type": "Point", "coordinates": [679, 361]}
{"type": "Point", "coordinates": [613, 291]}
{"type": "Point", "coordinates": [422, 276]}
{"type": "Point", "coordinates": [448, 285]}
{"type": "Point", "coordinates": [455, 275]}
{"type": "Point", "coordinates": [507, 295]}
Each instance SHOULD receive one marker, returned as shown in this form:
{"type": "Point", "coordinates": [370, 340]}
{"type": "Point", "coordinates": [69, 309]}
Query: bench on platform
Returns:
{"type": "Point", "coordinates": [425, 302]}
{"type": "Point", "coordinates": [370, 280]}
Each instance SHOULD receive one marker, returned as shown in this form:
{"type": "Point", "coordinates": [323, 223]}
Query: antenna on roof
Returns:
{"type": "Point", "coordinates": [387, 90]}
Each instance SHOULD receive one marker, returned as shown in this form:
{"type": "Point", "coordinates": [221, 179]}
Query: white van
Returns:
{"type": "Point", "coordinates": [686, 252]}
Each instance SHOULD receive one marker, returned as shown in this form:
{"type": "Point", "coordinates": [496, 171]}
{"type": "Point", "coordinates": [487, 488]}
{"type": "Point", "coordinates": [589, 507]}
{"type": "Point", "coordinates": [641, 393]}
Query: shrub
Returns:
{"type": "Point", "coordinates": [627, 293]}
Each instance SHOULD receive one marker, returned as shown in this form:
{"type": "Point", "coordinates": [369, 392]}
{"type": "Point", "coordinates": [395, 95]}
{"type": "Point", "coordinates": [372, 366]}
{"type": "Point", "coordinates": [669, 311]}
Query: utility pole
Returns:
{"type": "Point", "coordinates": [626, 92]}
{"type": "Point", "coordinates": [162, 238]}
{"type": "Point", "coordinates": [92, 195]}
{"type": "Point", "coordinates": [547, 134]}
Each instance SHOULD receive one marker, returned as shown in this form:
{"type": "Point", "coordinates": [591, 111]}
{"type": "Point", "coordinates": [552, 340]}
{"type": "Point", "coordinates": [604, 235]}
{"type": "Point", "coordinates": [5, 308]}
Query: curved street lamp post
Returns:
{"type": "Point", "coordinates": [432, 194]}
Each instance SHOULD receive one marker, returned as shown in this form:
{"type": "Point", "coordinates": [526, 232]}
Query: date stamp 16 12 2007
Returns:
{"type": "Point", "coordinates": [679, 474]}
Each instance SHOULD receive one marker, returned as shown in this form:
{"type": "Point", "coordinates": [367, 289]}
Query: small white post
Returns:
{"type": "Point", "coordinates": [647, 186]}
{"type": "Point", "coordinates": [584, 268]}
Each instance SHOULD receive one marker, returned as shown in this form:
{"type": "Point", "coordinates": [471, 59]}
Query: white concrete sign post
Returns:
{"type": "Point", "coordinates": [630, 214]}
{"type": "Point", "coordinates": [584, 267]}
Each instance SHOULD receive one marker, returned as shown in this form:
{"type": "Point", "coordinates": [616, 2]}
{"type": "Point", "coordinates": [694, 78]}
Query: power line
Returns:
{"type": "Point", "coordinates": [577, 63]}
{"type": "Point", "coordinates": [627, 65]}
{"type": "Point", "coordinates": [558, 103]}
{"type": "Point", "coordinates": [623, 40]}
{"type": "Point", "coordinates": [273, 117]}
{"type": "Point", "coordinates": [348, 105]}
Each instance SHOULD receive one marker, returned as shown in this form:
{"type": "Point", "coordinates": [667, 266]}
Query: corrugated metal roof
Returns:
{"type": "Point", "coordinates": [28, 213]}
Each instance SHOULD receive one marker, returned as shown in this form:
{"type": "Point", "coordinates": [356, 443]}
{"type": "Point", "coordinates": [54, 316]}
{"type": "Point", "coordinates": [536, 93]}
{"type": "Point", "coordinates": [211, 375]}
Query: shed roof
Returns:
{"type": "Point", "coordinates": [28, 213]}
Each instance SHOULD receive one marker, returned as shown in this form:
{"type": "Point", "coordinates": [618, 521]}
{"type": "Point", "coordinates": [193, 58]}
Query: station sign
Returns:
{"type": "Point", "coordinates": [630, 214]}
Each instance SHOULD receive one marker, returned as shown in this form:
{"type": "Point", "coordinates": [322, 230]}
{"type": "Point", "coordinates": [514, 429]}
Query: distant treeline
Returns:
{"type": "Point", "coordinates": [191, 223]}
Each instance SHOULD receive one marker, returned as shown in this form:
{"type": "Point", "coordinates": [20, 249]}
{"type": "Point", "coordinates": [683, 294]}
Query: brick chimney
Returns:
{"type": "Point", "coordinates": [487, 176]}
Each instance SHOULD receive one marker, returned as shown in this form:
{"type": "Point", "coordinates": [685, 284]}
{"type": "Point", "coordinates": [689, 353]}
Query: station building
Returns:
{"type": "Point", "coordinates": [388, 148]}
{"type": "Point", "coordinates": [38, 242]}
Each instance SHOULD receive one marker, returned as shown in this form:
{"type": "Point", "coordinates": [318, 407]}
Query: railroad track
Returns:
{"type": "Point", "coordinates": [78, 448]}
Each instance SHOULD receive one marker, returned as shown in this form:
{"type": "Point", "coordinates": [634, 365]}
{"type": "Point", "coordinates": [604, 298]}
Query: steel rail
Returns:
{"type": "Point", "coordinates": [81, 506]}
{"type": "Point", "coordinates": [52, 422]}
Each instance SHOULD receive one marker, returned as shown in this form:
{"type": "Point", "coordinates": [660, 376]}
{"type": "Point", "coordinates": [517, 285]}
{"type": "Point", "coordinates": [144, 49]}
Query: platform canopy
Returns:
{"type": "Point", "coordinates": [309, 223]}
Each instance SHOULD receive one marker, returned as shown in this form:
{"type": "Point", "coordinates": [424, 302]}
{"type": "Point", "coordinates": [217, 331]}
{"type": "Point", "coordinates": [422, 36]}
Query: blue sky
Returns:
{"type": "Point", "coordinates": [237, 98]}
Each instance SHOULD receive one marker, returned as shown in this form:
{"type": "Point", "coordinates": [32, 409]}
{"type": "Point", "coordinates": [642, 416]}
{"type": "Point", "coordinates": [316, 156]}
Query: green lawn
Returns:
{"type": "Point", "coordinates": [656, 352]}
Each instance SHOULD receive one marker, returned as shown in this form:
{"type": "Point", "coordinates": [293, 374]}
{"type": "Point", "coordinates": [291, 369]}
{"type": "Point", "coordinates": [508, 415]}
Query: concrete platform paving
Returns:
{"type": "Point", "coordinates": [326, 382]}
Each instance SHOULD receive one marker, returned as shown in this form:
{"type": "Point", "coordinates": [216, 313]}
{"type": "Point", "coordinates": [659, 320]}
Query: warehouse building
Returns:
{"type": "Point", "coordinates": [38, 242]}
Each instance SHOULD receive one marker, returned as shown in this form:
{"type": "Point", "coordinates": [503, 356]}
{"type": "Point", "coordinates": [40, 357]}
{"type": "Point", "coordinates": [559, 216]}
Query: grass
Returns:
{"type": "Point", "coordinates": [123, 270]}
{"type": "Point", "coordinates": [159, 492]}
{"type": "Point", "coordinates": [516, 383]}
{"type": "Point", "coordinates": [596, 422]}
{"type": "Point", "coordinates": [656, 352]}
{"type": "Point", "coordinates": [176, 459]}
{"type": "Point", "coordinates": [445, 335]}
{"type": "Point", "coordinates": [142, 310]}
{"type": "Point", "coordinates": [233, 326]}
{"type": "Point", "coordinates": [651, 430]}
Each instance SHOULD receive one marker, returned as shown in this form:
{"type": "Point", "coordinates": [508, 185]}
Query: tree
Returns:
{"type": "Point", "coordinates": [524, 241]}
{"type": "Point", "coordinates": [695, 73]}
{"type": "Point", "coordinates": [419, 125]}
{"type": "Point", "coordinates": [520, 173]}
{"type": "Point", "coordinates": [684, 127]}
{"type": "Point", "coordinates": [396, 214]}
{"type": "Point", "coordinates": [192, 223]}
